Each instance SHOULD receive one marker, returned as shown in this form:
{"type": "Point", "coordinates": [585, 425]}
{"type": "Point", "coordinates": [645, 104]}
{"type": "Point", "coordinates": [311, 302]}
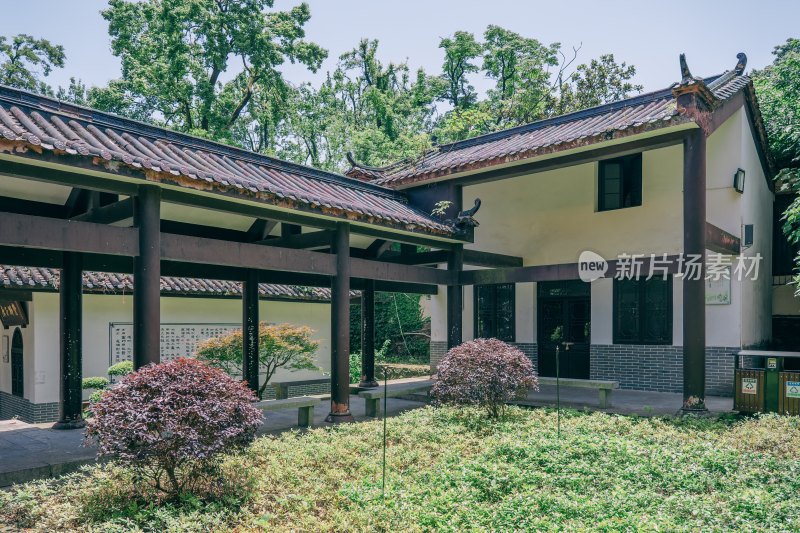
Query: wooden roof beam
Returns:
{"type": "Point", "coordinates": [314, 239]}
{"type": "Point", "coordinates": [491, 260]}
{"type": "Point", "coordinates": [108, 214]}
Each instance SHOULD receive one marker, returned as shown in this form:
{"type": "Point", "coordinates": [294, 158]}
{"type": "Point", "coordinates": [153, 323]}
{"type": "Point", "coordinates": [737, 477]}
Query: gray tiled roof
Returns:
{"type": "Point", "coordinates": [633, 115]}
{"type": "Point", "coordinates": [79, 132]}
{"type": "Point", "coordinates": [17, 277]}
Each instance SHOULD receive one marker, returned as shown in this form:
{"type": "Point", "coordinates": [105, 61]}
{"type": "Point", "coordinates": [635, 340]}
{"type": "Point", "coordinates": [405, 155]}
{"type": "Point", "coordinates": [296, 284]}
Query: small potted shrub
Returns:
{"type": "Point", "coordinates": [99, 384]}
{"type": "Point", "coordinates": [96, 384]}
{"type": "Point", "coordinates": [171, 422]}
{"type": "Point", "coordinates": [484, 372]}
{"type": "Point", "coordinates": [121, 369]}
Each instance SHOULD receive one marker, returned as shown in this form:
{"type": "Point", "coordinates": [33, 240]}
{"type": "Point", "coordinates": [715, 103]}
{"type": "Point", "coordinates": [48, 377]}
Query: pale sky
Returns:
{"type": "Point", "coordinates": [649, 35]}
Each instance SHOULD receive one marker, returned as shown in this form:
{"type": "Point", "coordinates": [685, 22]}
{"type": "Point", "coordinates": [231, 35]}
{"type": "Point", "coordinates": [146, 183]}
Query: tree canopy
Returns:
{"type": "Point", "coordinates": [778, 91]}
{"type": "Point", "coordinates": [25, 61]}
{"type": "Point", "coordinates": [213, 68]}
{"type": "Point", "coordinates": [208, 67]}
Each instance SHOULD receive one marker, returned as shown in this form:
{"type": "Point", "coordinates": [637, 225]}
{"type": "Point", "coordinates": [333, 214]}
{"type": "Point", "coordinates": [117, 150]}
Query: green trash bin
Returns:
{"type": "Point", "coordinates": [773, 366]}
{"type": "Point", "coordinates": [749, 391]}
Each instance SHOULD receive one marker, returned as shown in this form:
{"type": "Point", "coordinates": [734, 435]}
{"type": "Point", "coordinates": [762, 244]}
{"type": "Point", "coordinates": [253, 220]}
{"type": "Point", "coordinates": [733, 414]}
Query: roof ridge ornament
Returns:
{"type": "Point", "coordinates": [741, 63]}
{"type": "Point", "coordinates": [465, 218]}
{"type": "Point", "coordinates": [686, 74]}
{"type": "Point", "coordinates": [692, 85]}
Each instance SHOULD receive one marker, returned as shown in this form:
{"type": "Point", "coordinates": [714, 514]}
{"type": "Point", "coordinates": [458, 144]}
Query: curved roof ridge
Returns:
{"type": "Point", "coordinates": [589, 112]}
{"type": "Point", "coordinates": [621, 118]}
{"type": "Point", "coordinates": [28, 99]}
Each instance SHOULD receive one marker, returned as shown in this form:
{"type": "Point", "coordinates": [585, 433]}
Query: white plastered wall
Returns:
{"type": "Point", "coordinates": [551, 217]}
{"type": "Point", "coordinates": [757, 208]}
{"type": "Point", "coordinates": [724, 210]}
{"type": "Point", "coordinates": [100, 310]}
{"type": "Point", "coordinates": [28, 366]}
{"type": "Point", "coordinates": [747, 321]}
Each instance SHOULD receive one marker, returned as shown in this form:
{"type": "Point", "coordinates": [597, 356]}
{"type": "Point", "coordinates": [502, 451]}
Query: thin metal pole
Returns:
{"type": "Point", "coordinates": [385, 399]}
{"type": "Point", "coordinates": [558, 390]}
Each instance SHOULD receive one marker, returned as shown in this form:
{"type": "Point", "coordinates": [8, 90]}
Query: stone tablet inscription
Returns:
{"type": "Point", "coordinates": [177, 340]}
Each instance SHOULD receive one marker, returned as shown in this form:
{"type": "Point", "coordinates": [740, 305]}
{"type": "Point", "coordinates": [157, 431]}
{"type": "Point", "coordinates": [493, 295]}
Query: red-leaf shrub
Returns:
{"type": "Point", "coordinates": [171, 421]}
{"type": "Point", "coordinates": [485, 372]}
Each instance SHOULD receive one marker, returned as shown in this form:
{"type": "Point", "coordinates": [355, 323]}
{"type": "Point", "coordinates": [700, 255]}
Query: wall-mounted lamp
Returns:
{"type": "Point", "coordinates": [738, 181]}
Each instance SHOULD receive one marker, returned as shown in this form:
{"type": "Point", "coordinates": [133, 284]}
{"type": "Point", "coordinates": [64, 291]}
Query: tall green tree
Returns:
{"type": "Point", "coordinates": [378, 112]}
{"type": "Point", "coordinates": [460, 52]}
{"type": "Point", "coordinates": [521, 67]}
{"type": "Point", "coordinates": [778, 90]}
{"type": "Point", "coordinates": [315, 130]}
{"type": "Point", "coordinates": [599, 82]}
{"type": "Point", "coordinates": [25, 61]}
{"type": "Point", "coordinates": [398, 319]}
{"type": "Point", "coordinates": [202, 66]}
{"type": "Point", "coordinates": [532, 81]}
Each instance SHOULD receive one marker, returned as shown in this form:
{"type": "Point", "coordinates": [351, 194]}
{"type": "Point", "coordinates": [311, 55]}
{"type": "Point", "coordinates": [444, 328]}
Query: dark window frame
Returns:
{"type": "Point", "coordinates": [641, 337]}
{"type": "Point", "coordinates": [497, 307]}
{"type": "Point", "coordinates": [630, 194]}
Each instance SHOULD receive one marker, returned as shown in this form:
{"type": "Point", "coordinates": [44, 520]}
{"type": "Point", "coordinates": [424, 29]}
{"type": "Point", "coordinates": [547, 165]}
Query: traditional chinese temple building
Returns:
{"type": "Point", "coordinates": [195, 234]}
{"type": "Point", "coordinates": [646, 184]}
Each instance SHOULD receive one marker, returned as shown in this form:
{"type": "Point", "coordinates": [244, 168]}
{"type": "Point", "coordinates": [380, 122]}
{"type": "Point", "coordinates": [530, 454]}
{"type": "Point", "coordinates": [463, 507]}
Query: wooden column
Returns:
{"type": "Point", "coordinates": [694, 300]}
{"type": "Point", "coordinates": [455, 265]}
{"type": "Point", "coordinates": [340, 328]}
{"type": "Point", "coordinates": [250, 367]}
{"type": "Point", "coordinates": [147, 278]}
{"type": "Point", "coordinates": [368, 335]}
{"type": "Point", "coordinates": [70, 299]}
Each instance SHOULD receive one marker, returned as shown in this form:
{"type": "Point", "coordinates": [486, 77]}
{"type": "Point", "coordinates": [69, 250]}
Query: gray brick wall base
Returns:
{"type": "Point", "coordinates": [640, 367]}
{"type": "Point", "coordinates": [659, 368]}
{"type": "Point", "coordinates": [438, 351]}
{"type": "Point", "coordinates": [33, 413]}
{"type": "Point", "coordinates": [300, 390]}
{"type": "Point", "coordinates": [529, 349]}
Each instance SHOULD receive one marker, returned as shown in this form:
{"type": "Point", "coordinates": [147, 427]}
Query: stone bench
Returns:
{"type": "Point", "coordinates": [304, 404]}
{"type": "Point", "coordinates": [603, 387]}
{"type": "Point", "coordinates": [282, 387]}
{"type": "Point", "coordinates": [372, 397]}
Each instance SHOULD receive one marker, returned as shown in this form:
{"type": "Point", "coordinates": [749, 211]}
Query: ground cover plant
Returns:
{"type": "Point", "coordinates": [458, 470]}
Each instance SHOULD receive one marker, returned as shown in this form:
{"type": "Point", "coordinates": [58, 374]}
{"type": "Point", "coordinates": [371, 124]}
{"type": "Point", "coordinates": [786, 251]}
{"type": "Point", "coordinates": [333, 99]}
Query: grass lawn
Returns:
{"type": "Point", "coordinates": [452, 470]}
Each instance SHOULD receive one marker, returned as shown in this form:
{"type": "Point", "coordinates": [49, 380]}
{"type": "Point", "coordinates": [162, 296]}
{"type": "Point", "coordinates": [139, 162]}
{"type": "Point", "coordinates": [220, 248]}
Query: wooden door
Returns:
{"type": "Point", "coordinates": [17, 365]}
{"type": "Point", "coordinates": [565, 321]}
